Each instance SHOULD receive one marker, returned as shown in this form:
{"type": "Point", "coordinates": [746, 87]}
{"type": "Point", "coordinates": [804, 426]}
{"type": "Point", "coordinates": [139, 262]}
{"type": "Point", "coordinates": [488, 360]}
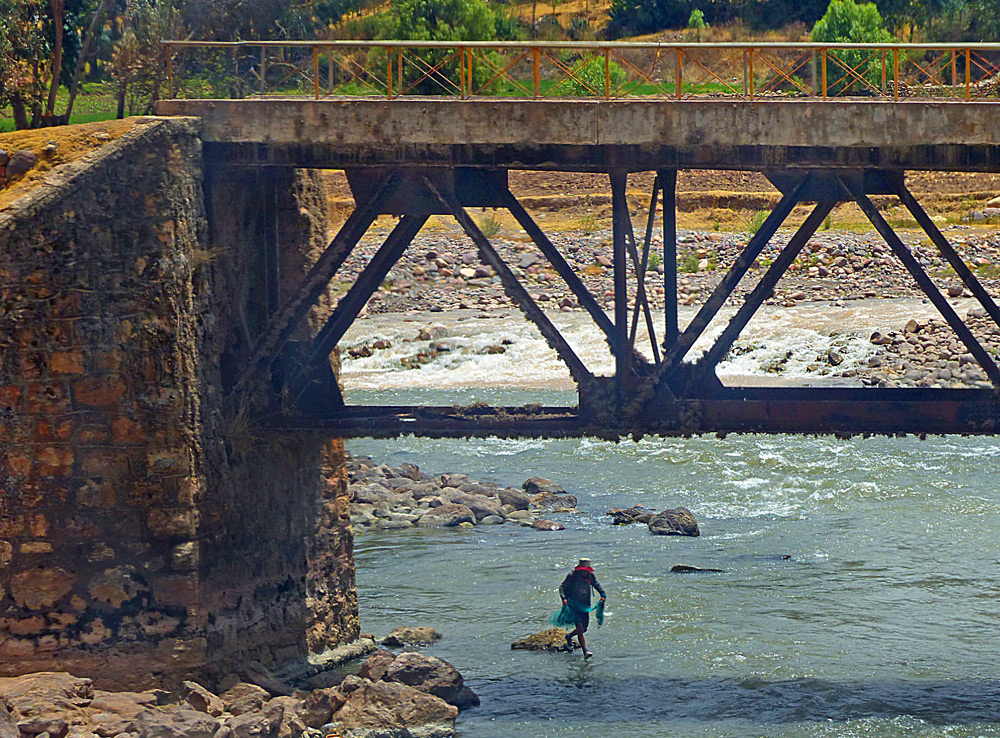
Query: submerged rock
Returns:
{"type": "Point", "coordinates": [676, 522]}
{"type": "Point", "coordinates": [553, 639]}
{"type": "Point", "coordinates": [685, 569]}
{"type": "Point", "coordinates": [547, 525]}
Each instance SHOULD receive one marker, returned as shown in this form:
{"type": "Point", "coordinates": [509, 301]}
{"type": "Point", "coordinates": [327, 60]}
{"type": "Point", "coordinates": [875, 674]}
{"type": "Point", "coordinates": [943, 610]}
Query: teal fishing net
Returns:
{"type": "Point", "coordinates": [565, 617]}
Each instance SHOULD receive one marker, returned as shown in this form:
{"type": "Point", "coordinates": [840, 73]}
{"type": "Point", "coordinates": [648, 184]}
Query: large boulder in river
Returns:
{"type": "Point", "coordinates": [537, 485]}
{"type": "Point", "coordinates": [482, 507]}
{"type": "Point", "coordinates": [676, 522]}
{"type": "Point", "coordinates": [515, 498]}
{"type": "Point", "coordinates": [447, 515]}
{"type": "Point", "coordinates": [375, 665]}
{"type": "Point", "coordinates": [392, 710]}
{"type": "Point", "coordinates": [418, 636]}
{"type": "Point", "coordinates": [553, 639]}
{"type": "Point", "coordinates": [432, 675]}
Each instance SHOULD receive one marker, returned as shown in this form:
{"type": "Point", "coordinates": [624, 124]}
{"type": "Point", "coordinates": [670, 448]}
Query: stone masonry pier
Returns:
{"type": "Point", "coordinates": [148, 534]}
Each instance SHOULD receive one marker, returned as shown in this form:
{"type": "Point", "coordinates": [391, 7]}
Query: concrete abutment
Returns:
{"type": "Point", "coordinates": [147, 534]}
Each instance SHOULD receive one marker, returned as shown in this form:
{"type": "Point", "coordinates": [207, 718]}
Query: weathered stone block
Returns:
{"type": "Point", "coordinates": [34, 589]}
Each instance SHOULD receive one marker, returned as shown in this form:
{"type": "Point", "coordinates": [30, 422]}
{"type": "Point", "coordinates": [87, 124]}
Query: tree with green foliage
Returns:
{"type": "Point", "coordinates": [849, 22]}
{"type": "Point", "coordinates": [589, 79]}
{"type": "Point", "coordinates": [439, 20]}
{"type": "Point", "coordinates": [697, 22]}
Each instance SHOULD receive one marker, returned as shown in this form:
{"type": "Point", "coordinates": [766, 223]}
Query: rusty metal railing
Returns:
{"type": "Point", "coordinates": [609, 71]}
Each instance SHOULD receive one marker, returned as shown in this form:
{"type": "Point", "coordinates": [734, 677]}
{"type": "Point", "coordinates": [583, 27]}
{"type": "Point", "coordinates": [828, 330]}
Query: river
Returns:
{"type": "Point", "coordinates": [860, 583]}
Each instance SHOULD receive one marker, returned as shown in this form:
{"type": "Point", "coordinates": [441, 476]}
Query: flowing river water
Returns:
{"type": "Point", "coordinates": [861, 578]}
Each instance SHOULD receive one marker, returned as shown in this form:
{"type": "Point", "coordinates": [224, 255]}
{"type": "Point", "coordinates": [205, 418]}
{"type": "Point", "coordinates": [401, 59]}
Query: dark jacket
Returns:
{"type": "Point", "coordinates": [576, 587]}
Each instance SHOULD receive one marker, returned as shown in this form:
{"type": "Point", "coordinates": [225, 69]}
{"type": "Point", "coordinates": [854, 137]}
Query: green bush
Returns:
{"type": "Point", "coordinates": [589, 79]}
{"type": "Point", "coordinates": [848, 22]}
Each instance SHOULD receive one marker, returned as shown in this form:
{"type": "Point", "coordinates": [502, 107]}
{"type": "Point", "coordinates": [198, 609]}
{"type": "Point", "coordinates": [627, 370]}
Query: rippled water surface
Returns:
{"type": "Point", "coordinates": [882, 622]}
{"type": "Point", "coordinates": [861, 578]}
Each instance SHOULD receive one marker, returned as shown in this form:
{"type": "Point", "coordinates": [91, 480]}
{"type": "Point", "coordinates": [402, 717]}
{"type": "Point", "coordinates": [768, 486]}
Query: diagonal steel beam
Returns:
{"type": "Point", "coordinates": [644, 260]}
{"type": "Point", "coordinates": [283, 325]}
{"type": "Point", "coordinates": [667, 179]}
{"type": "Point", "coordinates": [549, 250]}
{"type": "Point", "coordinates": [514, 288]}
{"type": "Point", "coordinates": [923, 281]}
{"type": "Point", "coordinates": [759, 293]}
{"type": "Point", "coordinates": [623, 356]}
{"type": "Point", "coordinates": [371, 277]}
{"type": "Point", "coordinates": [949, 253]}
{"type": "Point", "coordinates": [641, 298]}
{"type": "Point", "coordinates": [673, 356]}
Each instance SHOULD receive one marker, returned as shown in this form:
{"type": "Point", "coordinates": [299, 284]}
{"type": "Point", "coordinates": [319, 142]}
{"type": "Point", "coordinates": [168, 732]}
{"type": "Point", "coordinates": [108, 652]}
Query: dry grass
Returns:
{"type": "Point", "coordinates": [72, 142]}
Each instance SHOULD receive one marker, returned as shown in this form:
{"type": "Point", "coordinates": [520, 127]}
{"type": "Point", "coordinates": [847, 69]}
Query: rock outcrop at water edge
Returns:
{"type": "Point", "coordinates": [676, 522]}
{"type": "Point", "coordinates": [553, 639]}
{"type": "Point", "coordinates": [395, 498]}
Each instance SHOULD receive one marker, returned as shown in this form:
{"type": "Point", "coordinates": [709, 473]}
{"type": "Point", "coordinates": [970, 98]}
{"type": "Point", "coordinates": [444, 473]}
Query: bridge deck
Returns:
{"type": "Point", "coordinates": [596, 135]}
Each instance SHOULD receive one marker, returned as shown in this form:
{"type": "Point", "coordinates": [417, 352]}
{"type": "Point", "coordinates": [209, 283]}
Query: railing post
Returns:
{"type": "Point", "coordinates": [750, 71]}
{"type": "Point", "coordinates": [399, 71]}
{"type": "Point", "coordinates": [607, 74]}
{"type": "Point", "coordinates": [954, 74]}
{"type": "Point", "coordinates": [329, 70]}
{"type": "Point", "coordinates": [316, 71]}
{"type": "Point", "coordinates": [388, 73]}
{"type": "Point", "coordinates": [170, 71]}
{"type": "Point", "coordinates": [461, 72]}
{"type": "Point", "coordinates": [680, 76]}
{"type": "Point", "coordinates": [823, 72]}
{"type": "Point", "coordinates": [895, 73]}
{"type": "Point", "coordinates": [883, 72]}
{"type": "Point", "coordinates": [746, 73]}
{"type": "Point", "coordinates": [968, 75]}
{"type": "Point", "coordinates": [470, 56]}
{"type": "Point", "coordinates": [263, 70]}
{"type": "Point", "coordinates": [535, 74]}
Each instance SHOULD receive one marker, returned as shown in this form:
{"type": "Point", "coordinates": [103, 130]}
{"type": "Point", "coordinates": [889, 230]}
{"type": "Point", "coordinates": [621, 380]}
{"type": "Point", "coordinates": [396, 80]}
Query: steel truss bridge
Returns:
{"type": "Point", "coordinates": [414, 157]}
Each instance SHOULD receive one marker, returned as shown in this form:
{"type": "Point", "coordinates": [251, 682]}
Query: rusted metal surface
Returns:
{"type": "Point", "coordinates": [841, 412]}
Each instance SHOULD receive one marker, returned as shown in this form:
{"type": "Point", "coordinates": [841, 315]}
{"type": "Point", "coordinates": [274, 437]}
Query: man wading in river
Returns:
{"type": "Point", "coordinates": [575, 594]}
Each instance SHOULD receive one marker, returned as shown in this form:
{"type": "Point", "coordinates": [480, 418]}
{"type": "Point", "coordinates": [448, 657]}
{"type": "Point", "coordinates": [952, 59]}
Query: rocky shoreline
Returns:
{"type": "Point", "coordinates": [393, 695]}
{"type": "Point", "coordinates": [384, 497]}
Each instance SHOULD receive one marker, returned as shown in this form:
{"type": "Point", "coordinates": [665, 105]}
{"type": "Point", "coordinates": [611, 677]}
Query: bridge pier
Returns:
{"type": "Point", "coordinates": [149, 532]}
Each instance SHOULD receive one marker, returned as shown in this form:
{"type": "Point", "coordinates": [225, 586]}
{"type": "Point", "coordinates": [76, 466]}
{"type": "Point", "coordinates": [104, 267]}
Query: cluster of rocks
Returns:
{"type": "Point", "coordinates": [384, 497]}
{"type": "Point", "coordinates": [431, 335]}
{"type": "Point", "coordinates": [439, 272]}
{"type": "Point", "coordinates": [989, 214]}
{"type": "Point", "coordinates": [14, 165]}
{"type": "Point", "coordinates": [930, 354]}
{"type": "Point", "coordinates": [678, 521]}
{"type": "Point", "coordinates": [392, 696]}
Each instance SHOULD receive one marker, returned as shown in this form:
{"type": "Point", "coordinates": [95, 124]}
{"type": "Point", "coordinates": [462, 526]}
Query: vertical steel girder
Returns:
{"type": "Point", "coordinates": [667, 181]}
{"type": "Point", "coordinates": [658, 381]}
{"type": "Point", "coordinates": [619, 221]}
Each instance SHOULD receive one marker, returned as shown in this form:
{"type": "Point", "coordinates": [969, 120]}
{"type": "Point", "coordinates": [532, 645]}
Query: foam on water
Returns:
{"type": "Point", "coordinates": [780, 344]}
